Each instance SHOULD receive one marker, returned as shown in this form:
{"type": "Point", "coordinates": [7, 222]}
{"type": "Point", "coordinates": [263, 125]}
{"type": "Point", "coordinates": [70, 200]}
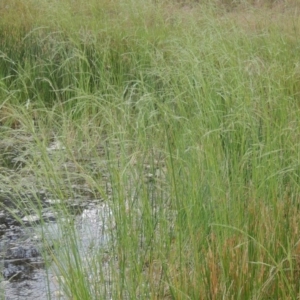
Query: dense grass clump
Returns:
{"type": "Point", "coordinates": [184, 118]}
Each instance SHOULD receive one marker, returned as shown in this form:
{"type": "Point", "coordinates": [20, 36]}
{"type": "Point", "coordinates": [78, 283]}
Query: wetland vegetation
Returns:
{"type": "Point", "coordinates": [173, 127]}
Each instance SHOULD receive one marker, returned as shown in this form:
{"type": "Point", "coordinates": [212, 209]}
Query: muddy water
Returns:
{"type": "Point", "coordinates": [25, 275]}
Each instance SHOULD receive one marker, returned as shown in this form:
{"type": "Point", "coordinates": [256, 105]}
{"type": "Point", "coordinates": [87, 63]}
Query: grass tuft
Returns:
{"type": "Point", "coordinates": [182, 118]}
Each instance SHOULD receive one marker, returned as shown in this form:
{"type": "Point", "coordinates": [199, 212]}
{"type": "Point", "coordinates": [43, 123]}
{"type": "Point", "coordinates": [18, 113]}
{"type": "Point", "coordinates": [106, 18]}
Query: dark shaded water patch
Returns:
{"type": "Point", "coordinates": [40, 285]}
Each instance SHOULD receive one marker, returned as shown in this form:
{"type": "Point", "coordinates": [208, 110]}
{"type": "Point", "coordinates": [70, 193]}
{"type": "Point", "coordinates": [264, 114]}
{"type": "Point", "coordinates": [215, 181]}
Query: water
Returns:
{"type": "Point", "coordinates": [92, 229]}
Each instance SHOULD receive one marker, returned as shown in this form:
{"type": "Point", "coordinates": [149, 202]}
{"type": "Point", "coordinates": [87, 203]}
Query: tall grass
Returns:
{"type": "Point", "coordinates": [184, 119]}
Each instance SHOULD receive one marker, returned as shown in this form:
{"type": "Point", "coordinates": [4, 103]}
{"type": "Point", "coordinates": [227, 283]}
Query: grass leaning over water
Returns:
{"type": "Point", "coordinates": [183, 118]}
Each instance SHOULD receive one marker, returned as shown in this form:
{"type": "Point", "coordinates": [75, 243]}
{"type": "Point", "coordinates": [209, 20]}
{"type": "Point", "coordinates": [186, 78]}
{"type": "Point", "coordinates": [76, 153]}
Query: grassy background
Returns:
{"type": "Point", "coordinates": [196, 108]}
